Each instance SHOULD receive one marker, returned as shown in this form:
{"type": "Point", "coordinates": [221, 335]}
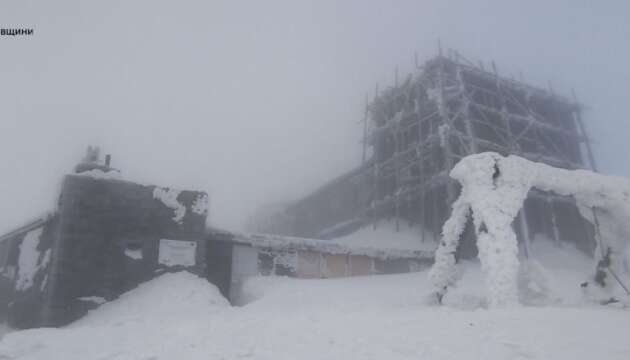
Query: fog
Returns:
{"type": "Point", "coordinates": [261, 102]}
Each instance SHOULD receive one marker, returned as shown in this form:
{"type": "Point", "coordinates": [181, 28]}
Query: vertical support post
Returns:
{"type": "Point", "coordinates": [511, 146]}
{"type": "Point", "coordinates": [578, 119]}
{"type": "Point", "coordinates": [397, 174]}
{"type": "Point", "coordinates": [423, 223]}
{"type": "Point", "coordinates": [420, 156]}
{"type": "Point", "coordinates": [365, 128]}
{"type": "Point", "coordinates": [448, 154]}
{"type": "Point", "coordinates": [435, 218]}
{"type": "Point", "coordinates": [322, 265]}
{"type": "Point", "coordinates": [522, 219]}
{"type": "Point", "coordinates": [376, 172]}
{"type": "Point", "coordinates": [554, 222]}
{"type": "Point", "coordinates": [374, 193]}
{"type": "Point", "coordinates": [466, 112]}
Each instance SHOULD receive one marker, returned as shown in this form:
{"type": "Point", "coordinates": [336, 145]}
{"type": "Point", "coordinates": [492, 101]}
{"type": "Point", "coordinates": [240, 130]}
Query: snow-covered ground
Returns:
{"type": "Point", "coordinates": [179, 316]}
{"type": "Point", "coordinates": [3, 330]}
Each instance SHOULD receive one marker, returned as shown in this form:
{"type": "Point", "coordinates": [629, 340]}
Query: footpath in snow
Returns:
{"type": "Point", "coordinates": [180, 316]}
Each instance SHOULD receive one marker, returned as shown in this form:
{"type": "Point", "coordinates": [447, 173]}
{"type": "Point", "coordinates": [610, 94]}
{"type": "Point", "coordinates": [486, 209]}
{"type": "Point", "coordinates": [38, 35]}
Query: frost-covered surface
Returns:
{"type": "Point", "coordinates": [341, 226]}
{"type": "Point", "coordinates": [277, 242]}
{"type": "Point", "coordinates": [287, 259]}
{"type": "Point", "coordinates": [443, 133]}
{"type": "Point", "coordinates": [29, 262]}
{"type": "Point", "coordinates": [169, 198]}
{"type": "Point", "coordinates": [179, 316]}
{"type": "Point", "coordinates": [135, 254]}
{"type": "Point", "coordinates": [493, 190]}
{"type": "Point", "coordinates": [385, 236]}
{"type": "Point", "coordinates": [100, 174]}
{"type": "Point", "coordinates": [200, 205]}
{"type": "Point", "coordinates": [98, 300]}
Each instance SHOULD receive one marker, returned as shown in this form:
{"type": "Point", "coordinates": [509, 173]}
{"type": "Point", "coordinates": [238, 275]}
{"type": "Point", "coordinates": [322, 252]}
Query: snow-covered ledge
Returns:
{"type": "Point", "coordinates": [494, 188]}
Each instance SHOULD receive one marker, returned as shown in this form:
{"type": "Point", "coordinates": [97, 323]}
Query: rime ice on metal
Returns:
{"type": "Point", "coordinates": [494, 189]}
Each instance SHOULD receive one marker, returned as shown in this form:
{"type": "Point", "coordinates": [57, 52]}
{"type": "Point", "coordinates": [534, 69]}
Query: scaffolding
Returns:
{"type": "Point", "coordinates": [450, 109]}
{"type": "Point", "coordinates": [415, 132]}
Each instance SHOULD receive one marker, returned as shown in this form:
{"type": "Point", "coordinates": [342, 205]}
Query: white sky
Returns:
{"type": "Point", "coordinates": [259, 101]}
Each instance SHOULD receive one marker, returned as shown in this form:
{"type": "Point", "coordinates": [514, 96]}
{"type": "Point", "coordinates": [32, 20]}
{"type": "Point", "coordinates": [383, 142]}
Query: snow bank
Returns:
{"type": "Point", "coordinates": [4, 329]}
{"type": "Point", "coordinates": [161, 317]}
{"type": "Point", "coordinates": [179, 316]}
{"type": "Point", "coordinates": [493, 190]}
{"type": "Point", "coordinates": [171, 296]}
{"type": "Point", "coordinates": [385, 236]}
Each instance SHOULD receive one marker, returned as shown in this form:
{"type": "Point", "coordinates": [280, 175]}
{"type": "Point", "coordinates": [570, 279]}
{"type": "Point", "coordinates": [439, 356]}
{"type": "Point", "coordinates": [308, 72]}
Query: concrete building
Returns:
{"type": "Point", "coordinates": [418, 129]}
{"type": "Point", "coordinates": [108, 235]}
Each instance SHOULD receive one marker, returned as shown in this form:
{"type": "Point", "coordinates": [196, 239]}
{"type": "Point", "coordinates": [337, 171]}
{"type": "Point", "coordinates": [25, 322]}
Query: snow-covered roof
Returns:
{"type": "Point", "coordinates": [328, 246]}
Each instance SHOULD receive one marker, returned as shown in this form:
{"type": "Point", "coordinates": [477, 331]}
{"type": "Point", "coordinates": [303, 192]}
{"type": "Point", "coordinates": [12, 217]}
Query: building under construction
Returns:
{"type": "Point", "coordinates": [417, 130]}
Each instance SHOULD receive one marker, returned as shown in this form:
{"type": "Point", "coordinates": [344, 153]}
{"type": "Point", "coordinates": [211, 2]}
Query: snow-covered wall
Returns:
{"type": "Point", "coordinates": [110, 233]}
{"type": "Point", "coordinates": [103, 240]}
{"type": "Point", "coordinates": [25, 269]}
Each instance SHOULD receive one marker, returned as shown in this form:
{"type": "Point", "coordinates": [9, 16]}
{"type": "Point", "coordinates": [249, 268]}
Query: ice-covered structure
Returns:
{"type": "Point", "coordinates": [418, 129]}
{"type": "Point", "coordinates": [493, 192]}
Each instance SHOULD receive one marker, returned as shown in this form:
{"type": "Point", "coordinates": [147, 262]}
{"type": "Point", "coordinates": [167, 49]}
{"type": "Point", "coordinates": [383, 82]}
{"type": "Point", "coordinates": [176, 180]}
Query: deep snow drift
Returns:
{"type": "Point", "coordinates": [179, 316]}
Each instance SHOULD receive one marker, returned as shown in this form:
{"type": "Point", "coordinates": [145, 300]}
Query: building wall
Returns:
{"type": "Point", "coordinates": [105, 239]}
{"type": "Point", "coordinates": [333, 210]}
{"type": "Point", "coordinates": [257, 255]}
{"type": "Point", "coordinates": [24, 272]}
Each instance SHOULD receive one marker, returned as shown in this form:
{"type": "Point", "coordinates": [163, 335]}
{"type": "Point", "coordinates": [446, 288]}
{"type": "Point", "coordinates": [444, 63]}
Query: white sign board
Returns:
{"type": "Point", "coordinates": [177, 252]}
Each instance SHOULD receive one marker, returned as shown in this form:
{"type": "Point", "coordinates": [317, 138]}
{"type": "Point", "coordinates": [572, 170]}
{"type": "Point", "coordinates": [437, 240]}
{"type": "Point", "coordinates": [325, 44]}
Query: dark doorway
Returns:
{"type": "Point", "coordinates": [219, 263]}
